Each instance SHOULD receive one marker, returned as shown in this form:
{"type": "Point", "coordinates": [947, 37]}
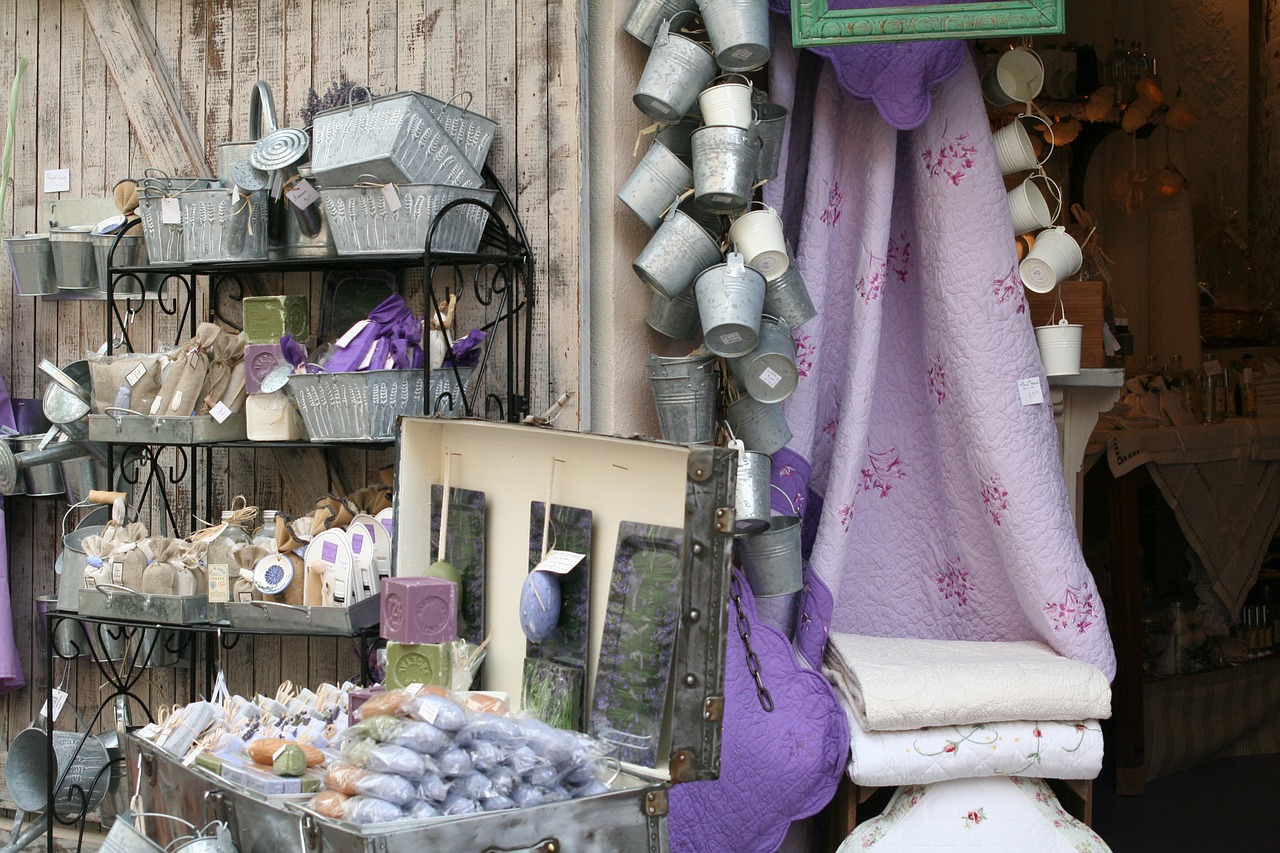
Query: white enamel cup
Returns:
{"type": "Point", "coordinates": [1028, 208]}
{"type": "Point", "coordinates": [727, 104]}
{"type": "Point", "coordinates": [758, 236]}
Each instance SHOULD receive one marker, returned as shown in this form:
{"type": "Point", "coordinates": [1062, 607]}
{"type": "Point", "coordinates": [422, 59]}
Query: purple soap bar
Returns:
{"type": "Point", "coordinates": [419, 610]}
{"type": "Point", "coordinates": [259, 360]}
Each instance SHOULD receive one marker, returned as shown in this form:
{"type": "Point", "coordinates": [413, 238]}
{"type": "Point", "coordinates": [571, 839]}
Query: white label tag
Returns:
{"type": "Point", "coordinates": [392, 195]}
{"type": "Point", "coordinates": [57, 180]}
{"type": "Point", "coordinates": [731, 338]}
{"type": "Point", "coordinates": [277, 186]}
{"type": "Point", "coordinates": [220, 412]}
{"type": "Point", "coordinates": [1212, 368]}
{"type": "Point", "coordinates": [770, 377]}
{"type": "Point", "coordinates": [276, 755]}
{"type": "Point", "coordinates": [1030, 392]}
{"type": "Point", "coordinates": [350, 336]}
{"type": "Point", "coordinates": [177, 402]}
{"type": "Point", "coordinates": [59, 699]}
{"type": "Point", "coordinates": [559, 562]}
{"type": "Point", "coordinates": [117, 572]}
{"type": "Point", "coordinates": [170, 211]}
{"type": "Point", "coordinates": [303, 195]}
{"type": "Point", "coordinates": [136, 374]}
{"type": "Point", "coordinates": [428, 713]}
{"type": "Point", "coordinates": [219, 585]}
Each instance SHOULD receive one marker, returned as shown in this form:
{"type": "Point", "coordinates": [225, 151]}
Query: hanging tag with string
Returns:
{"type": "Point", "coordinates": [554, 560]}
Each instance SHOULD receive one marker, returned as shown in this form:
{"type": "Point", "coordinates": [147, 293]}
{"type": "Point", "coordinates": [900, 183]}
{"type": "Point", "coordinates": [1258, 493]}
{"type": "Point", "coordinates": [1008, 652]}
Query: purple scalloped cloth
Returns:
{"type": "Point", "coordinates": [895, 76]}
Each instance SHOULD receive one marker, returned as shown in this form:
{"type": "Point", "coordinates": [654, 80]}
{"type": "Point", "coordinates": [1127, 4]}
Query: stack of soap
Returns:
{"type": "Point", "coordinates": [419, 610]}
{"type": "Point", "coordinates": [419, 663]}
{"type": "Point", "coordinates": [269, 318]}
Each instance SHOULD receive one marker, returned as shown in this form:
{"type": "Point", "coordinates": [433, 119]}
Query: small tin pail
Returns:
{"type": "Point", "coordinates": [751, 505]}
{"type": "Point", "coordinates": [131, 251]}
{"type": "Point", "coordinates": [762, 427]}
{"type": "Point", "coordinates": [656, 182]}
{"type": "Point", "coordinates": [31, 259]}
{"type": "Point", "coordinates": [771, 122]}
{"type": "Point", "coordinates": [678, 137]}
{"type": "Point", "coordinates": [730, 301]}
{"type": "Point", "coordinates": [676, 253]}
{"type": "Point", "coordinates": [739, 31]}
{"type": "Point", "coordinates": [678, 69]}
{"type": "Point", "coordinates": [646, 17]}
{"type": "Point", "coordinates": [724, 167]}
{"type": "Point", "coordinates": [224, 225]}
{"type": "Point", "coordinates": [787, 298]}
{"type": "Point", "coordinates": [771, 560]}
{"type": "Point", "coordinates": [41, 480]}
{"type": "Point", "coordinates": [73, 257]}
{"type": "Point", "coordinates": [160, 648]}
{"type": "Point", "coordinates": [676, 318]}
{"type": "Point", "coordinates": [769, 372]}
{"type": "Point", "coordinates": [685, 391]}
{"type": "Point", "coordinates": [81, 772]}
{"type": "Point", "coordinates": [69, 638]}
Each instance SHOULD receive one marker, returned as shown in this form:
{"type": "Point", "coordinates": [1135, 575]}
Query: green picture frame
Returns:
{"type": "Point", "coordinates": [815, 24]}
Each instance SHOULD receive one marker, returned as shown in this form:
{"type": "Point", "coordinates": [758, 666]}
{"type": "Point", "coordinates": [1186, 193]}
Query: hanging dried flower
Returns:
{"type": "Point", "coordinates": [1063, 133]}
{"type": "Point", "coordinates": [1135, 117]}
{"type": "Point", "coordinates": [1148, 92]}
{"type": "Point", "coordinates": [1181, 115]}
{"type": "Point", "coordinates": [1098, 107]}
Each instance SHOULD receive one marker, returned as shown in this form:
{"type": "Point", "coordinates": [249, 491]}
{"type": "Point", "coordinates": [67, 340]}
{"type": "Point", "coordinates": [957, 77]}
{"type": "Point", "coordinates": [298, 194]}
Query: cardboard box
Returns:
{"type": "Point", "coordinates": [1083, 302]}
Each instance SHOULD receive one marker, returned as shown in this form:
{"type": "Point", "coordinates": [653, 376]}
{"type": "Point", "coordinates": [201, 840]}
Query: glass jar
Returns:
{"type": "Point", "coordinates": [265, 536]}
{"type": "Point", "coordinates": [220, 564]}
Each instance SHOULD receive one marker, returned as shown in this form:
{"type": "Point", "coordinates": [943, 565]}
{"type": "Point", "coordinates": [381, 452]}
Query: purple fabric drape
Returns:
{"type": "Point", "coordinates": [933, 498]}
{"type": "Point", "coordinates": [10, 665]}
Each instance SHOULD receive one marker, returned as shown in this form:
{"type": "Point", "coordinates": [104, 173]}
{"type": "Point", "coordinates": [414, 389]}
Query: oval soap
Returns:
{"type": "Point", "coordinates": [539, 605]}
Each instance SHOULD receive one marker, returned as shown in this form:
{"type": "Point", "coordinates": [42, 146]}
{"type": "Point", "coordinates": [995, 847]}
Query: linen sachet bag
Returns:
{"type": "Point", "coordinates": [225, 353]}
{"type": "Point", "coordinates": [184, 381]}
{"type": "Point", "coordinates": [131, 555]}
{"type": "Point", "coordinates": [161, 576]}
{"type": "Point", "coordinates": [191, 577]}
{"type": "Point", "coordinates": [243, 589]}
{"type": "Point", "coordinates": [288, 546]}
{"type": "Point", "coordinates": [97, 550]}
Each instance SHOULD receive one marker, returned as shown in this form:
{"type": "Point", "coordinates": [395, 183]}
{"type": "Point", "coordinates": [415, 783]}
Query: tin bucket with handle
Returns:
{"type": "Point", "coordinates": [786, 296]}
{"type": "Point", "coordinates": [685, 392]}
{"type": "Point", "coordinates": [73, 558]}
{"type": "Point", "coordinates": [644, 21]}
{"type": "Point", "coordinates": [769, 373]}
{"type": "Point", "coordinates": [724, 167]}
{"type": "Point", "coordinates": [739, 31]}
{"type": "Point", "coordinates": [79, 776]}
{"type": "Point", "coordinates": [762, 427]}
{"type": "Point", "coordinates": [771, 559]}
{"type": "Point", "coordinates": [730, 302]}
{"type": "Point", "coordinates": [676, 318]}
{"type": "Point", "coordinates": [677, 70]}
{"type": "Point", "coordinates": [656, 182]}
{"type": "Point", "coordinates": [751, 502]}
{"type": "Point", "coordinates": [675, 255]}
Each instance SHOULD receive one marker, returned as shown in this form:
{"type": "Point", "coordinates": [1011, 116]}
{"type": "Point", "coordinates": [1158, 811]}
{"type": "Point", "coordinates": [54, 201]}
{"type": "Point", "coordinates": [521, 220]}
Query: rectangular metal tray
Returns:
{"type": "Point", "coordinates": [140, 429]}
{"type": "Point", "coordinates": [109, 601]}
{"type": "Point", "coordinates": [288, 618]}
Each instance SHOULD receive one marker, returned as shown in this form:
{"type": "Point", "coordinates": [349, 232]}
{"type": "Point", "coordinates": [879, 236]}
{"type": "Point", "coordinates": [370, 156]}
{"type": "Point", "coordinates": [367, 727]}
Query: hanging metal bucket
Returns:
{"type": "Point", "coordinates": [31, 260]}
{"type": "Point", "coordinates": [159, 648]}
{"type": "Point", "coordinates": [298, 241]}
{"type": "Point", "coordinates": [131, 251]}
{"type": "Point", "coordinates": [676, 318]}
{"type": "Point", "coordinates": [73, 558]}
{"type": "Point", "coordinates": [82, 475]}
{"type": "Point", "coordinates": [739, 31]}
{"type": "Point", "coordinates": [69, 638]}
{"type": "Point", "coordinates": [81, 772]}
{"type": "Point", "coordinates": [39, 480]}
{"type": "Point", "coordinates": [762, 427]}
{"type": "Point", "coordinates": [645, 19]}
{"type": "Point", "coordinates": [771, 123]}
{"type": "Point", "coordinates": [656, 182]}
{"type": "Point", "coordinates": [771, 559]}
{"type": "Point", "coordinates": [678, 69]}
{"type": "Point", "coordinates": [116, 800]}
{"type": "Point", "coordinates": [724, 167]}
{"type": "Point", "coordinates": [678, 137]}
{"type": "Point", "coordinates": [751, 505]}
{"type": "Point", "coordinates": [685, 392]}
{"type": "Point", "coordinates": [730, 301]}
{"type": "Point", "coordinates": [769, 373]}
{"type": "Point", "coordinates": [676, 253]}
{"type": "Point", "coordinates": [786, 297]}
{"type": "Point", "coordinates": [73, 260]}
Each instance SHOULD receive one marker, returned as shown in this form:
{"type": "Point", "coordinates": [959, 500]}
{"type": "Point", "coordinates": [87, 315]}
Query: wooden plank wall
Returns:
{"type": "Point", "coordinates": [519, 58]}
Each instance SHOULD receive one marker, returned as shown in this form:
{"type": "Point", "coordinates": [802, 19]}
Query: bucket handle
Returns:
{"type": "Point", "coordinates": [351, 98]}
{"type": "Point", "coordinates": [262, 110]}
{"type": "Point", "coordinates": [790, 502]}
{"type": "Point", "coordinates": [456, 96]}
{"type": "Point", "coordinates": [763, 205]}
{"type": "Point", "coordinates": [96, 506]}
{"type": "Point", "coordinates": [664, 32]}
{"type": "Point", "coordinates": [1048, 125]}
{"type": "Point", "coordinates": [745, 79]}
{"type": "Point", "coordinates": [1054, 313]}
{"type": "Point", "coordinates": [1055, 192]}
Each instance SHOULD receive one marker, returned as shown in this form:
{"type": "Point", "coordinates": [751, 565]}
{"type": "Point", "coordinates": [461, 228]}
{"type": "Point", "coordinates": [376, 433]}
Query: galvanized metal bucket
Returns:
{"type": "Point", "coordinates": [677, 70]}
{"type": "Point", "coordinates": [730, 302]}
{"type": "Point", "coordinates": [83, 475]}
{"type": "Point", "coordinates": [131, 251]}
{"type": "Point", "coordinates": [786, 297]}
{"type": "Point", "coordinates": [74, 560]}
{"type": "Point", "coordinates": [69, 638]}
{"type": "Point", "coordinates": [762, 427]}
{"type": "Point", "coordinates": [159, 648]}
{"type": "Point", "coordinates": [676, 253]}
{"type": "Point", "coordinates": [751, 504]}
{"type": "Point", "coordinates": [80, 773]}
{"type": "Point", "coordinates": [655, 183]}
{"type": "Point", "coordinates": [771, 123]}
{"type": "Point", "coordinates": [769, 373]}
{"type": "Point", "coordinates": [164, 238]}
{"type": "Point", "coordinates": [471, 132]}
{"type": "Point", "coordinates": [41, 481]}
{"type": "Point", "coordinates": [685, 392]}
{"type": "Point", "coordinates": [739, 31]}
{"type": "Point", "coordinates": [724, 167]}
{"type": "Point", "coordinates": [73, 261]}
{"type": "Point", "coordinates": [678, 137]}
{"type": "Point", "coordinates": [771, 559]}
{"type": "Point", "coordinates": [224, 225]}
{"type": "Point", "coordinates": [646, 16]}
{"type": "Point", "coordinates": [31, 260]}
{"type": "Point", "coordinates": [676, 318]}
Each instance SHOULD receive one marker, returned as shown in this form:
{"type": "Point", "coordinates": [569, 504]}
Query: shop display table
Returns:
{"type": "Point", "coordinates": [1221, 482]}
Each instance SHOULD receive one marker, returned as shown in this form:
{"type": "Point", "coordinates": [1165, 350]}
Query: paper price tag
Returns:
{"type": "Point", "coordinates": [391, 193]}
{"type": "Point", "coordinates": [559, 562]}
{"type": "Point", "coordinates": [1212, 368]}
{"type": "Point", "coordinates": [59, 700]}
{"type": "Point", "coordinates": [276, 755]}
{"type": "Point", "coordinates": [117, 572]}
{"type": "Point", "coordinates": [219, 583]}
{"type": "Point", "coordinates": [57, 180]}
{"type": "Point", "coordinates": [428, 713]}
{"type": "Point", "coordinates": [303, 195]}
{"type": "Point", "coordinates": [220, 412]}
{"type": "Point", "coordinates": [134, 375]}
{"type": "Point", "coordinates": [1030, 392]}
{"type": "Point", "coordinates": [770, 377]}
{"type": "Point", "coordinates": [170, 211]}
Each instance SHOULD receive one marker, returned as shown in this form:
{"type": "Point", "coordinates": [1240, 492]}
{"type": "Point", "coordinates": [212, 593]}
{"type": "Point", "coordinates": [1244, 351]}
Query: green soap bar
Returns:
{"type": "Point", "coordinates": [209, 762]}
{"type": "Point", "coordinates": [268, 318]}
{"type": "Point", "coordinates": [425, 663]}
{"type": "Point", "coordinates": [312, 784]}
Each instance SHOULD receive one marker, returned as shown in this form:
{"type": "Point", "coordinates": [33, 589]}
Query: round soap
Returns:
{"type": "Point", "coordinates": [442, 570]}
{"type": "Point", "coordinates": [539, 605]}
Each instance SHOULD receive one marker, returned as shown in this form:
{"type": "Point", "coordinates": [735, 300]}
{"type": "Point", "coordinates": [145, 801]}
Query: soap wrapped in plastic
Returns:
{"type": "Point", "coordinates": [424, 809]}
{"type": "Point", "coordinates": [440, 711]}
{"type": "Point", "coordinates": [387, 786]}
{"type": "Point", "coordinates": [497, 803]}
{"type": "Point", "coordinates": [386, 703]}
{"type": "Point", "coordinates": [459, 803]}
{"type": "Point", "coordinates": [363, 810]}
{"type": "Point", "coordinates": [330, 804]}
{"type": "Point", "coordinates": [485, 756]}
{"type": "Point", "coordinates": [384, 758]}
{"type": "Point", "coordinates": [342, 777]}
{"type": "Point", "coordinates": [381, 728]}
{"type": "Point", "coordinates": [475, 785]}
{"type": "Point", "coordinates": [455, 762]}
{"type": "Point", "coordinates": [528, 795]}
{"type": "Point", "coordinates": [421, 737]}
{"type": "Point", "coordinates": [432, 787]}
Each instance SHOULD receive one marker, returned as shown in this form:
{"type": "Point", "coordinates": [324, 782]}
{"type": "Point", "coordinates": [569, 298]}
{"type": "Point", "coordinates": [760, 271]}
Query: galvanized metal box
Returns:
{"type": "Point", "coordinates": [116, 602]}
{"type": "Point", "coordinates": [140, 429]}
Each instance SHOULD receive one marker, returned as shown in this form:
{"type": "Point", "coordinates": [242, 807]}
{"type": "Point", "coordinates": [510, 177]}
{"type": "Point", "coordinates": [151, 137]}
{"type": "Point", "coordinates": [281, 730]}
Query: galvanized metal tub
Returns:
{"type": "Point", "coordinates": [685, 392]}
{"type": "Point", "coordinates": [676, 318]}
{"type": "Point", "coordinates": [471, 132]}
{"type": "Point", "coordinates": [31, 260]}
{"type": "Point", "coordinates": [40, 481]}
{"type": "Point", "coordinates": [730, 302]}
{"type": "Point", "coordinates": [131, 251]}
{"type": "Point", "coordinates": [356, 406]}
{"type": "Point", "coordinates": [787, 298]}
{"type": "Point", "coordinates": [646, 17]}
{"type": "Point", "coordinates": [164, 239]}
{"type": "Point", "coordinates": [751, 503]}
{"type": "Point", "coordinates": [739, 31]}
{"type": "Point", "coordinates": [363, 221]}
{"type": "Point", "coordinates": [769, 372]}
{"type": "Point", "coordinates": [224, 225]}
{"type": "Point", "coordinates": [724, 167]}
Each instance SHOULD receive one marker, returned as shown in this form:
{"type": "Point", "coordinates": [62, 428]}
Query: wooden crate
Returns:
{"type": "Point", "coordinates": [1083, 303]}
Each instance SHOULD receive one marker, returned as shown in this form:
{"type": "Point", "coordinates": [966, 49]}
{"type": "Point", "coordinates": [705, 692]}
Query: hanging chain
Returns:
{"type": "Point", "coordinates": [753, 662]}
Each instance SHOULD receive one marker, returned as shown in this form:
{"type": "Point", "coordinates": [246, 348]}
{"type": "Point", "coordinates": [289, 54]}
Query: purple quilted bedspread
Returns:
{"type": "Point", "coordinates": [933, 497]}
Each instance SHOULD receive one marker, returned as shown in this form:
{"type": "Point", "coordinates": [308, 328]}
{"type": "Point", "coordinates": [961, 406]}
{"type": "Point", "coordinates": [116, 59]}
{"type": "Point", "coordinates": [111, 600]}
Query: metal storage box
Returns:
{"type": "Point", "coordinates": [288, 618]}
{"type": "Point", "coordinates": [356, 406]}
{"type": "Point", "coordinates": [687, 488]}
{"type": "Point", "coordinates": [117, 602]}
{"type": "Point", "coordinates": [393, 139]}
{"type": "Point", "coordinates": [140, 429]}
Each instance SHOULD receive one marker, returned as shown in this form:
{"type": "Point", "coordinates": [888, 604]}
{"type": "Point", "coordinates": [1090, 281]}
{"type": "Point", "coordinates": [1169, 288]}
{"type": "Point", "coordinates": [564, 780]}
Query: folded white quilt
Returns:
{"type": "Point", "coordinates": [896, 684]}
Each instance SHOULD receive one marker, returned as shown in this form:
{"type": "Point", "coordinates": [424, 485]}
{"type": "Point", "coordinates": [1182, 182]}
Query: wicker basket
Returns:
{"type": "Point", "coordinates": [1234, 327]}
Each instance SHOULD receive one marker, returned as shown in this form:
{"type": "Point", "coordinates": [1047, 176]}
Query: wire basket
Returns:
{"type": "Point", "coordinates": [356, 406]}
{"type": "Point", "coordinates": [363, 222]}
{"type": "Point", "coordinates": [1235, 327]}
